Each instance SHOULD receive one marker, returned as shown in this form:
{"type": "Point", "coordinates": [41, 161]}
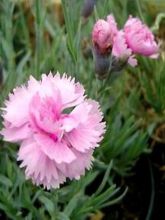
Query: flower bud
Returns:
{"type": "Point", "coordinates": [102, 63]}
{"type": "Point", "coordinates": [104, 33]}
{"type": "Point", "coordinates": [88, 8]}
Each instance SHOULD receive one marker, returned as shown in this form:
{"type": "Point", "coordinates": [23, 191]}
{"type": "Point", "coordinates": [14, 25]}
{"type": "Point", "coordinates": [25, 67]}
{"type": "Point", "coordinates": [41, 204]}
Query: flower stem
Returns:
{"type": "Point", "coordinates": [140, 10]}
{"type": "Point", "coordinates": [150, 208]}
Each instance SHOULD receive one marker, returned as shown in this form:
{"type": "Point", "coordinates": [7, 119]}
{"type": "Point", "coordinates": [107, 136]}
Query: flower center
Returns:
{"type": "Point", "coordinates": [45, 117]}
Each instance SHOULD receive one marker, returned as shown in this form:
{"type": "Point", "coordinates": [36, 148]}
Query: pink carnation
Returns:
{"type": "Point", "coordinates": [56, 126]}
{"type": "Point", "coordinates": [104, 32]}
{"type": "Point", "coordinates": [121, 51]}
{"type": "Point", "coordinates": [139, 38]}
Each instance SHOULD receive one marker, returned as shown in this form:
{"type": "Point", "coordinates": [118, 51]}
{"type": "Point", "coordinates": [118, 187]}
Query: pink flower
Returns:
{"type": "Point", "coordinates": [56, 126]}
{"type": "Point", "coordinates": [121, 51]}
{"type": "Point", "coordinates": [104, 32]}
{"type": "Point", "coordinates": [139, 38]}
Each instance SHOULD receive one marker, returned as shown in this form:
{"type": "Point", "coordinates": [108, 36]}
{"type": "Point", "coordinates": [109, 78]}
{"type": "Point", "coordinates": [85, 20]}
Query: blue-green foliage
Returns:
{"type": "Point", "coordinates": [44, 45]}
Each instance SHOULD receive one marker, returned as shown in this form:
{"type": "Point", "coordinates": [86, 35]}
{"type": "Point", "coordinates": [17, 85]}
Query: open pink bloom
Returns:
{"type": "Point", "coordinates": [56, 126]}
{"type": "Point", "coordinates": [103, 33]}
{"type": "Point", "coordinates": [121, 51]}
{"type": "Point", "coordinates": [139, 38]}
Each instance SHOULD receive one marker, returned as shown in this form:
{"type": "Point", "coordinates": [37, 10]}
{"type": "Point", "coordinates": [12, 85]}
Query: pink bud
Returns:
{"type": "Point", "coordinates": [103, 33]}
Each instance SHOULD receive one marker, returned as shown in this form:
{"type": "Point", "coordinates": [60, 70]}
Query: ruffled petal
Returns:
{"type": "Point", "coordinates": [71, 93]}
{"type": "Point", "coordinates": [79, 115]}
{"type": "Point", "coordinates": [56, 151]}
{"type": "Point", "coordinates": [16, 134]}
{"type": "Point", "coordinates": [38, 166]}
{"type": "Point", "coordinates": [78, 166]}
{"type": "Point", "coordinates": [17, 107]}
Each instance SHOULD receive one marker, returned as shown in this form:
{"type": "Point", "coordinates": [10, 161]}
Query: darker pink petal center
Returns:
{"type": "Point", "coordinates": [45, 115]}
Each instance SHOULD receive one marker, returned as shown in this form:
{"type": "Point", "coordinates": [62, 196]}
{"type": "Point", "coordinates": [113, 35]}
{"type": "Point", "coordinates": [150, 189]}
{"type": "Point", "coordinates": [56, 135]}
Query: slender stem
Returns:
{"type": "Point", "coordinates": [150, 208]}
{"type": "Point", "coordinates": [78, 39]}
{"type": "Point", "coordinates": [140, 10]}
{"type": "Point", "coordinates": [38, 36]}
{"type": "Point", "coordinates": [105, 178]}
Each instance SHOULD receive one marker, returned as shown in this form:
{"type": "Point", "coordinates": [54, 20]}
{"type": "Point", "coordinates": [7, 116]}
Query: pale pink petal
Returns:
{"type": "Point", "coordinates": [78, 166]}
{"type": "Point", "coordinates": [132, 61]}
{"type": "Point", "coordinates": [83, 139]}
{"type": "Point", "coordinates": [16, 109]}
{"type": "Point", "coordinates": [155, 56]}
{"type": "Point", "coordinates": [68, 123]}
{"type": "Point", "coordinates": [16, 134]}
{"type": "Point", "coordinates": [38, 166]}
{"type": "Point", "coordinates": [71, 93]}
{"type": "Point", "coordinates": [47, 114]}
{"type": "Point", "coordinates": [77, 116]}
{"type": "Point", "coordinates": [120, 48]}
{"type": "Point", "coordinates": [56, 151]}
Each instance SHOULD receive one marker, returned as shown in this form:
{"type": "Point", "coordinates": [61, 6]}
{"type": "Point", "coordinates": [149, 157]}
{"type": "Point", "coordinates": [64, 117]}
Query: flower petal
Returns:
{"type": "Point", "coordinates": [56, 151]}
{"type": "Point", "coordinates": [77, 167]}
{"type": "Point", "coordinates": [39, 167]}
{"type": "Point", "coordinates": [16, 134]}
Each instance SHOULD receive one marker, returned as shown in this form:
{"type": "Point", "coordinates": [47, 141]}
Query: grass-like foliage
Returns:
{"type": "Point", "coordinates": [41, 36]}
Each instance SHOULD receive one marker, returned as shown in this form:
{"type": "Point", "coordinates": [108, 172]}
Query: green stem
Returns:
{"type": "Point", "coordinates": [38, 36]}
{"type": "Point", "coordinates": [140, 10]}
{"type": "Point", "coordinates": [151, 205]}
{"type": "Point", "coordinates": [78, 40]}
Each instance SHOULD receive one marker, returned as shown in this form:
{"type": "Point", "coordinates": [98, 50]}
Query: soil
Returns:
{"type": "Point", "coordinates": [148, 181]}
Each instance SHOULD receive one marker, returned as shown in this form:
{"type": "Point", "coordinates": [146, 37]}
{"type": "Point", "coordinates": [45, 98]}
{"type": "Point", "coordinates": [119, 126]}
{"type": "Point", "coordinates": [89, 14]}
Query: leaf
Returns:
{"type": "Point", "coordinates": [62, 216]}
{"type": "Point", "coordinates": [5, 181]}
{"type": "Point", "coordinates": [48, 204]}
{"type": "Point", "coordinates": [72, 204]}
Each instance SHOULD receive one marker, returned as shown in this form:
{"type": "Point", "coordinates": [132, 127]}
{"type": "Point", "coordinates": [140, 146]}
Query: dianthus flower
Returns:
{"type": "Point", "coordinates": [139, 38]}
{"type": "Point", "coordinates": [56, 126]}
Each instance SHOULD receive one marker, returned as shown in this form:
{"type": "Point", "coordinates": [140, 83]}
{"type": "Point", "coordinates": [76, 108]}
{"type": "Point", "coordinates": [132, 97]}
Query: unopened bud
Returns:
{"type": "Point", "coordinates": [88, 8]}
{"type": "Point", "coordinates": [104, 33]}
{"type": "Point", "coordinates": [102, 63]}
